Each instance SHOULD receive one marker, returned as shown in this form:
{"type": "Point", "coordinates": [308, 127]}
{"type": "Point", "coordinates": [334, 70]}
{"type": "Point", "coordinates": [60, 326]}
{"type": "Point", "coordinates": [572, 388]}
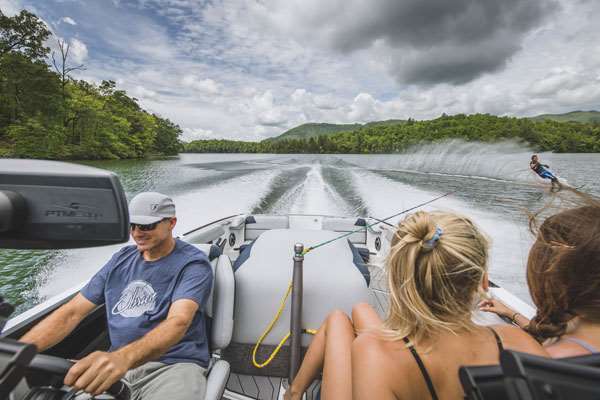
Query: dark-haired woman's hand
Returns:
{"type": "Point", "coordinates": [497, 307]}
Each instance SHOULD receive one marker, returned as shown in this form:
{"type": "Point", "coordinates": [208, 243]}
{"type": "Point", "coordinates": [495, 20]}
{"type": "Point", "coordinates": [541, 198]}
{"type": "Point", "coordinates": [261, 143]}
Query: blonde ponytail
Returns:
{"type": "Point", "coordinates": [435, 267]}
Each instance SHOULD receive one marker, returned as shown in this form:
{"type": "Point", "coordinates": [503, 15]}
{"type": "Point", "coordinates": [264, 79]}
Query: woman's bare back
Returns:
{"type": "Point", "coordinates": [396, 372]}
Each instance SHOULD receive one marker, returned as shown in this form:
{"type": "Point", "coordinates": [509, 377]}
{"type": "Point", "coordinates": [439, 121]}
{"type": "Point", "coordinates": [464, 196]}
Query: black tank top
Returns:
{"type": "Point", "coordinates": [423, 370]}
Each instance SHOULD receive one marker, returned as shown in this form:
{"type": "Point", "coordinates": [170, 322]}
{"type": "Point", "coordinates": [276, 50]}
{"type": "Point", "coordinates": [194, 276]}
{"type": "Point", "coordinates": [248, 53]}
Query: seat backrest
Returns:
{"type": "Point", "coordinates": [346, 225]}
{"type": "Point", "coordinates": [258, 224]}
{"type": "Point", "coordinates": [482, 382]}
{"type": "Point", "coordinates": [220, 303]}
{"type": "Point", "coordinates": [539, 378]}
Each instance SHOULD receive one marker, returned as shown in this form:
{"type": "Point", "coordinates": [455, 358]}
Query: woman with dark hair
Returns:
{"type": "Point", "coordinates": [563, 274]}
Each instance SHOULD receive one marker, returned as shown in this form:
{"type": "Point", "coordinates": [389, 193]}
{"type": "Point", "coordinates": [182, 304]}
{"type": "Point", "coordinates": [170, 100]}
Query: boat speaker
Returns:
{"type": "Point", "coordinates": [57, 205]}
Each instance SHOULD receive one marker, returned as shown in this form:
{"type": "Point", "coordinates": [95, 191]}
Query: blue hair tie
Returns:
{"type": "Point", "coordinates": [431, 243]}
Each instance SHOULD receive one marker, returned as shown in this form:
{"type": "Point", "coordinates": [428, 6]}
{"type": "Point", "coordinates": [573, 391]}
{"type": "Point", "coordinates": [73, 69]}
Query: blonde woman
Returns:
{"type": "Point", "coordinates": [436, 267]}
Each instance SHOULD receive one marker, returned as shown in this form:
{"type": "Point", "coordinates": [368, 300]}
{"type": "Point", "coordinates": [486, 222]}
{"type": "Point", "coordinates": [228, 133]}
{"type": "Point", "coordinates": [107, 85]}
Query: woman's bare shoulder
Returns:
{"type": "Point", "coordinates": [378, 362]}
{"type": "Point", "coordinates": [368, 343]}
{"type": "Point", "coordinates": [515, 338]}
{"type": "Point", "coordinates": [379, 348]}
{"type": "Point", "coordinates": [563, 349]}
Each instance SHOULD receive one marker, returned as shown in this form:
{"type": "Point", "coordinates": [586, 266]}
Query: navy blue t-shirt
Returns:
{"type": "Point", "coordinates": [138, 294]}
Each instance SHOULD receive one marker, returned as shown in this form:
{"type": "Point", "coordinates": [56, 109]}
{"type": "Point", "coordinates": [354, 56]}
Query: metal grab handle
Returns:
{"type": "Point", "coordinates": [296, 314]}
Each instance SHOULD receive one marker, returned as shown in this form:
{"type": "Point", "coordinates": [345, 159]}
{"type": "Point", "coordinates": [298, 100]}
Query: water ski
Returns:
{"type": "Point", "coordinates": [559, 184]}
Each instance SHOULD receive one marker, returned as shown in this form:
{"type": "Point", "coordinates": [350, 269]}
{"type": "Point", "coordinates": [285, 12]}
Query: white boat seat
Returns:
{"type": "Point", "coordinates": [345, 225]}
{"type": "Point", "coordinates": [220, 309]}
{"type": "Point", "coordinates": [262, 280]}
{"type": "Point", "coordinates": [258, 224]}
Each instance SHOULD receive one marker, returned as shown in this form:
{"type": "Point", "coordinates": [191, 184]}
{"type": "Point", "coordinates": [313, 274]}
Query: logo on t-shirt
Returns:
{"type": "Point", "coordinates": [137, 298]}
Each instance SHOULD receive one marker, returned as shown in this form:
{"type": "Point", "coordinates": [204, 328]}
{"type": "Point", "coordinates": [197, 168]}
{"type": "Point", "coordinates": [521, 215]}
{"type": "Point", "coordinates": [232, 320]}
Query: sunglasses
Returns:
{"type": "Point", "coordinates": [147, 227]}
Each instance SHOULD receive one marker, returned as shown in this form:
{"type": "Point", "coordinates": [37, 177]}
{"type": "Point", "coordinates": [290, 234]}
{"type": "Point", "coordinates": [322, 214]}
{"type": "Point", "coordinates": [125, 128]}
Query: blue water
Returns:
{"type": "Point", "coordinates": [491, 183]}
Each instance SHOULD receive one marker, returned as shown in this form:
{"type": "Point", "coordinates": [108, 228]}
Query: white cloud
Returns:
{"type": "Point", "coordinates": [10, 7]}
{"type": "Point", "coordinates": [206, 86]}
{"type": "Point", "coordinates": [273, 117]}
{"type": "Point", "coordinates": [78, 51]}
{"type": "Point", "coordinates": [141, 92]}
{"type": "Point", "coordinates": [363, 108]}
{"type": "Point", "coordinates": [190, 134]}
{"type": "Point", "coordinates": [69, 20]}
{"type": "Point", "coordinates": [242, 69]}
{"type": "Point", "coordinates": [556, 81]}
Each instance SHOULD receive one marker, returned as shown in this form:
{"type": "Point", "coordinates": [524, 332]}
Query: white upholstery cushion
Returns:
{"type": "Point", "coordinates": [346, 225]}
{"type": "Point", "coordinates": [206, 249]}
{"type": "Point", "coordinates": [331, 281]}
{"type": "Point", "coordinates": [217, 380]}
{"type": "Point", "coordinates": [222, 304]}
{"type": "Point", "coordinates": [265, 223]}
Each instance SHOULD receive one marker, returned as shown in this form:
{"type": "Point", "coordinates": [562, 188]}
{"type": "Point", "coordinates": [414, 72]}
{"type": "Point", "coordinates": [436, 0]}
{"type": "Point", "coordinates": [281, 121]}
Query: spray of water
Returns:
{"type": "Point", "coordinates": [510, 238]}
{"type": "Point", "coordinates": [506, 161]}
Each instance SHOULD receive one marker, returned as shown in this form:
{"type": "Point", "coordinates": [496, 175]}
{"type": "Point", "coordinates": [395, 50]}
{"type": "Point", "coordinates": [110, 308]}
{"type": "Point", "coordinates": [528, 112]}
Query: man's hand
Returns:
{"type": "Point", "coordinates": [97, 372]}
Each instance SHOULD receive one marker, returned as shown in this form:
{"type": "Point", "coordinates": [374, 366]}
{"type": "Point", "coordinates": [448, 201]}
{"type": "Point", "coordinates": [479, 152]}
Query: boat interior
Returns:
{"type": "Point", "coordinates": [252, 257]}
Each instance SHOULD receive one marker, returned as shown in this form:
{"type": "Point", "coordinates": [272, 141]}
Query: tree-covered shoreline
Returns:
{"type": "Point", "coordinates": [547, 135]}
{"type": "Point", "coordinates": [45, 113]}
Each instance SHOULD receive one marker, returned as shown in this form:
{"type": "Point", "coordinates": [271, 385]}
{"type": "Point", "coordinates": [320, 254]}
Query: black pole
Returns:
{"type": "Point", "coordinates": [296, 317]}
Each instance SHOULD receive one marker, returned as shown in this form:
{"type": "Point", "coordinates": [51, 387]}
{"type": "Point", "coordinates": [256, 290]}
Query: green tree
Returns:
{"type": "Point", "coordinates": [24, 33]}
{"type": "Point", "coordinates": [167, 137]}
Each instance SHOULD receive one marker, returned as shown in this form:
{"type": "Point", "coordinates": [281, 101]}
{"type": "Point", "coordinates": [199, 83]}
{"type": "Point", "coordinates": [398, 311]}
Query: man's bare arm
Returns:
{"type": "Point", "coordinates": [58, 325]}
{"type": "Point", "coordinates": [160, 339]}
{"type": "Point", "coordinates": [98, 371]}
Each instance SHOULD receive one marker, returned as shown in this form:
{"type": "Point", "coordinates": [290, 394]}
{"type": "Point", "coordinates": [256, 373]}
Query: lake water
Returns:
{"type": "Point", "coordinates": [492, 182]}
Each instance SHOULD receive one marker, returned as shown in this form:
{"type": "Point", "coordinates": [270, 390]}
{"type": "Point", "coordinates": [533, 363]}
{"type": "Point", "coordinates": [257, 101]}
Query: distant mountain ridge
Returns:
{"type": "Point", "coordinates": [314, 129]}
{"type": "Point", "coordinates": [400, 136]}
{"type": "Point", "coordinates": [574, 116]}
{"type": "Point", "coordinates": [306, 131]}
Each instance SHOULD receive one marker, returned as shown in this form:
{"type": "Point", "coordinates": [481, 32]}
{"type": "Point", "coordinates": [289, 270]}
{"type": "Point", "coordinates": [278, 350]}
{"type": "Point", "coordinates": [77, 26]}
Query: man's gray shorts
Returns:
{"type": "Point", "coordinates": [153, 381]}
{"type": "Point", "coordinates": [158, 381]}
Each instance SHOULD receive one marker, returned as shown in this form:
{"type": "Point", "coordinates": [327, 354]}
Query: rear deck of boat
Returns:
{"type": "Point", "coordinates": [267, 388]}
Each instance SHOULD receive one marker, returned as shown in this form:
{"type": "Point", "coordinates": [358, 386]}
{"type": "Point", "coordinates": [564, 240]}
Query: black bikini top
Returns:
{"type": "Point", "coordinates": [424, 372]}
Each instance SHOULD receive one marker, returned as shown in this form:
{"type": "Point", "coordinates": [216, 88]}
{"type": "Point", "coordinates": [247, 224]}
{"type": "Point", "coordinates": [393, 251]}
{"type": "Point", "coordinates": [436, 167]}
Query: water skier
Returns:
{"type": "Point", "coordinates": [541, 170]}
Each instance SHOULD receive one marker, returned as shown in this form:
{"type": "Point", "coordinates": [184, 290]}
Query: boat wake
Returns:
{"type": "Point", "coordinates": [333, 185]}
{"type": "Point", "coordinates": [503, 161]}
{"type": "Point", "coordinates": [385, 196]}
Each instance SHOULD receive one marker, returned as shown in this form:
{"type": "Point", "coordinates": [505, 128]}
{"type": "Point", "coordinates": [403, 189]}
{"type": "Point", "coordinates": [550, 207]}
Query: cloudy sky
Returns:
{"type": "Point", "coordinates": [250, 69]}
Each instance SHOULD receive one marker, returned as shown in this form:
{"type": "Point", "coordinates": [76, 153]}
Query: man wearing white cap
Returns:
{"type": "Point", "coordinates": [154, 293]}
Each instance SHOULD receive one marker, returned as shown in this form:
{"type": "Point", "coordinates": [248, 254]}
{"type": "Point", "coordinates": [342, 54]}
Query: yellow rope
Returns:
{"type": "Point", "coordinates": [268, 330]}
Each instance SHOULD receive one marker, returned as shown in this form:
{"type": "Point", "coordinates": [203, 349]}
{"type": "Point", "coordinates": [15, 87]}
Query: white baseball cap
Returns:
{"type": "Point", "coordinates": [150, 207]}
